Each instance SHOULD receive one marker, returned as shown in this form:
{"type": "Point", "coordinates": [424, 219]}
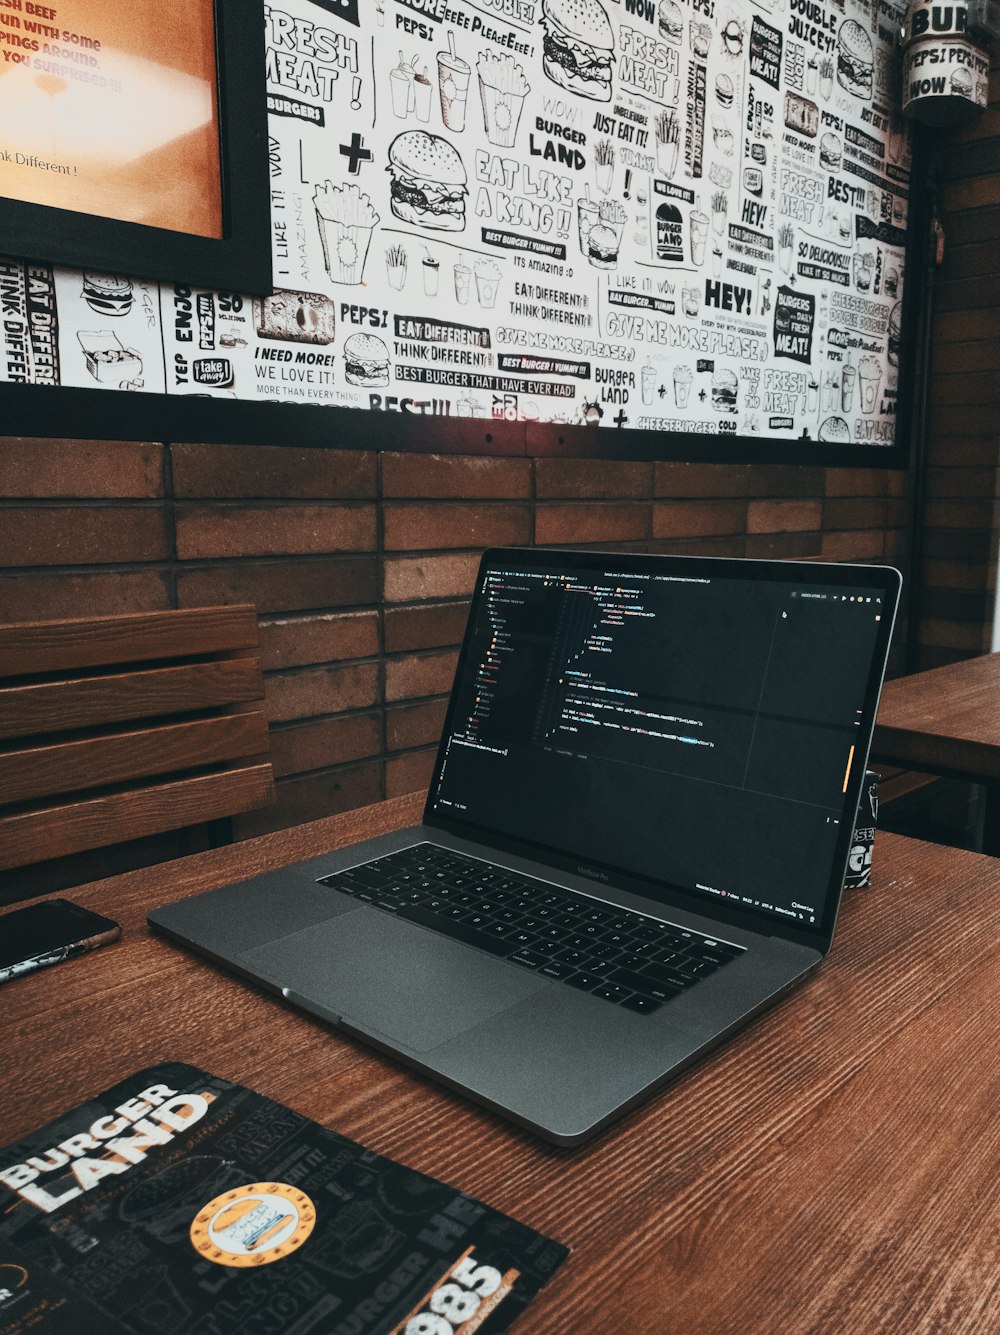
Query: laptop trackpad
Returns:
{"type": "Point", "coordinates": [391, 977]}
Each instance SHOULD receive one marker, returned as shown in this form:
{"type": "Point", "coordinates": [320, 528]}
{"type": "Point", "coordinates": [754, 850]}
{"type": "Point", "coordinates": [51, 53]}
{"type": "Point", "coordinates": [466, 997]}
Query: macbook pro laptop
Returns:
{"type": "Point", "coordinates": [634, 838]}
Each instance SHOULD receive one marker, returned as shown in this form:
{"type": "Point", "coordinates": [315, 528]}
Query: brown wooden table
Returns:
{"type": "Point", "coordinates": [947, 721]}
{"type": "Point", "coordinates": [832, 1169]}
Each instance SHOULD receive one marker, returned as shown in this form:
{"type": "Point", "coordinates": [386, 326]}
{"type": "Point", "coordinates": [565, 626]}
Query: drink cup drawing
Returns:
{"type": "Point", "coordinates": [812, 76]}
{"type": "Point", "coordinates": [604, 164]}
{"type": "Point", "coordinates": [345, 219]}
{"type": "Point", "coordinates": [502, 90]}
{"type": "Point", "coordinates": [831, 392]}
{"type": "Point", "coordinates": [422, 92]}
{"type": "Point", "coordinates": [454, 74]}
{"type": "Point", "coordinates": [432, 273]}
{"type": "Point", "coordinates": [869, 378]}
{"type": "Point", "coordinates": [395, 267]}
{"type": "Point", "coordinates": [699, 235]}
{"type": "Point", "coordinates": [716, 262]}
{"type": "Point", "coordinates": [401, 85]}
{"type": "Point", "coordinates": [648, 382]}
{"type": "Point", "coordinates": [587, 214]}
{"type": "Point", "coordinates": [683, 376]}
{"type": "Point", "coordinates": [847, 378]}
{"type": "Point", "coordinates": [488, 276]}
{"type": "Point", "coordinates": [463, 282]}
{"type": "Point", "coordinates": [812, 396]}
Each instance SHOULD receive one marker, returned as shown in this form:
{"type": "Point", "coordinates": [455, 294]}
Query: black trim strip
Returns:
{"type": "Point", "coordinates": [96, 414]}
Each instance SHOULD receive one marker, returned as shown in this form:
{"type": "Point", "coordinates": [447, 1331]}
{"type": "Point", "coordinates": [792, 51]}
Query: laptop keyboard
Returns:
{"type": "Point", "coordinates": [622, 957]}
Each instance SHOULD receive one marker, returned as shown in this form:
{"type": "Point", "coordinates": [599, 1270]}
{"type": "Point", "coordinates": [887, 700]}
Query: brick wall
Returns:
{"type": "Point", "coordinates": [360, 564]}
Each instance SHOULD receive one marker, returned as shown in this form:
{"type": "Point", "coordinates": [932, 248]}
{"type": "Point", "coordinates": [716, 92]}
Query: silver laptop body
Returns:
{"type": "Point", "coordinates": [634, 839]}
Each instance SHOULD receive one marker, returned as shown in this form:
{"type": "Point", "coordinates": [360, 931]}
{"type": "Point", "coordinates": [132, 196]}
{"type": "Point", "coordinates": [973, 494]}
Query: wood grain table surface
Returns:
{"type": "Point", "coordinates": [946, 720]}
{"type": "Point", "coordinates": [833, 1168]}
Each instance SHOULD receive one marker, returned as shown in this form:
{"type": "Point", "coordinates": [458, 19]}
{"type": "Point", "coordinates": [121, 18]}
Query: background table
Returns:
{"type": "Point", "coordinates": [947, 721]}
{"type": "Point", "coordinates": [831, 1169]}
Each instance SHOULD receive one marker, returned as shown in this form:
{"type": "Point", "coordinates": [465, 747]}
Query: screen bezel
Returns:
{"type": "Point", "coordinates": [884, 578]}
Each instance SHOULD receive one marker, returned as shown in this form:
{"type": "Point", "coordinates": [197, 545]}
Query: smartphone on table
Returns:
{"type": "Point", "coordinates": [49, 932]}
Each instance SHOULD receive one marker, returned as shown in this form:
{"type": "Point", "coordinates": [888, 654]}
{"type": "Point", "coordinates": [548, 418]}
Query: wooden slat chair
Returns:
{"type": "Point", "coordinates": [113, 728]}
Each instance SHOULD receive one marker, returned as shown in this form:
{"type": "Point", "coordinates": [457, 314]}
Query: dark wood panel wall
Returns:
{"type": "Point", "coordinates": [962, 519]}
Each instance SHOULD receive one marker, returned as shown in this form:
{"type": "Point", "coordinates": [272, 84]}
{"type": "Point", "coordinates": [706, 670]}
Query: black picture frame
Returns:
{"type": "Point", "coordinates": [239, 261]}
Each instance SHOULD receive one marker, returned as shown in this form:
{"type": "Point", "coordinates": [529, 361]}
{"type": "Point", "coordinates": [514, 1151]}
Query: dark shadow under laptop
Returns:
{"type": "Point", "coordinates": [634, 839]}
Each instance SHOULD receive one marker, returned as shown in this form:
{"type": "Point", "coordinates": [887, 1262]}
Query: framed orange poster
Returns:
{"type": "Point", "coordinates": [131, 136]}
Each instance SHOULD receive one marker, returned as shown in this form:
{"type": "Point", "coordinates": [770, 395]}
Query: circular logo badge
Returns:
{"type": "Point", "coordinates": [12, 1278]}
{"type": "Point", "coordinates": [253, 1225]}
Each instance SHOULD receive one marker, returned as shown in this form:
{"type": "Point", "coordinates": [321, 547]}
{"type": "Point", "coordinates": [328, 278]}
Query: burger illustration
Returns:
{"type": "Point", "coordinates": [724, 385]}
{"type": "Point", "coordinates": [579, 47]}
{"type": "Point", "coordinates": [961, 84]}
{"type": "Point", "coordinates": [671, 22]}
{"type": "Point", "coordinates": [834, 431]}
{"type": "Point", "coordinates": [855, 59]}
{"type": "Point", "coordinates": [894, 336]}
{"type": "Point", "coordinates": [602, 247]}
{"type": "Point", "coordinates": [428, 181]}
{"type": "Point", "coordinates": [366, 361]}
{"type": "Point", "coordinates": [299, 317]}
{"type": "Point", "coordinates": [732, 34]}
{"type": "Point", "coordinates": [830, 151]}
{"type": "Point", "coordinates": [107, 293]}
{"type": "Point", "coordinates": [724, 90]}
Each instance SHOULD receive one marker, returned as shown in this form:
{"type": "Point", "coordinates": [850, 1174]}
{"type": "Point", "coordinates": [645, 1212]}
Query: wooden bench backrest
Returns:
{"type": "Point", "coordinates": [117, 727]}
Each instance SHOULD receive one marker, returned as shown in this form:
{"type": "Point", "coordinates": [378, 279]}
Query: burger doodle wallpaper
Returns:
{"type": "Point", "coordinates": [680, 216]}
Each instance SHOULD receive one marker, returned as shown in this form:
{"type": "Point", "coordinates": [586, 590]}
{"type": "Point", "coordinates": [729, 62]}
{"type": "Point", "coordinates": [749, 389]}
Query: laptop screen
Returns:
{"type": "Point", "coordinates": [687, 721]}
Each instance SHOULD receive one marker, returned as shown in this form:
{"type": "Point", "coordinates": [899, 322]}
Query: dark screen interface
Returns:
{"type": "Point", "coordinates": [698, 731]}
